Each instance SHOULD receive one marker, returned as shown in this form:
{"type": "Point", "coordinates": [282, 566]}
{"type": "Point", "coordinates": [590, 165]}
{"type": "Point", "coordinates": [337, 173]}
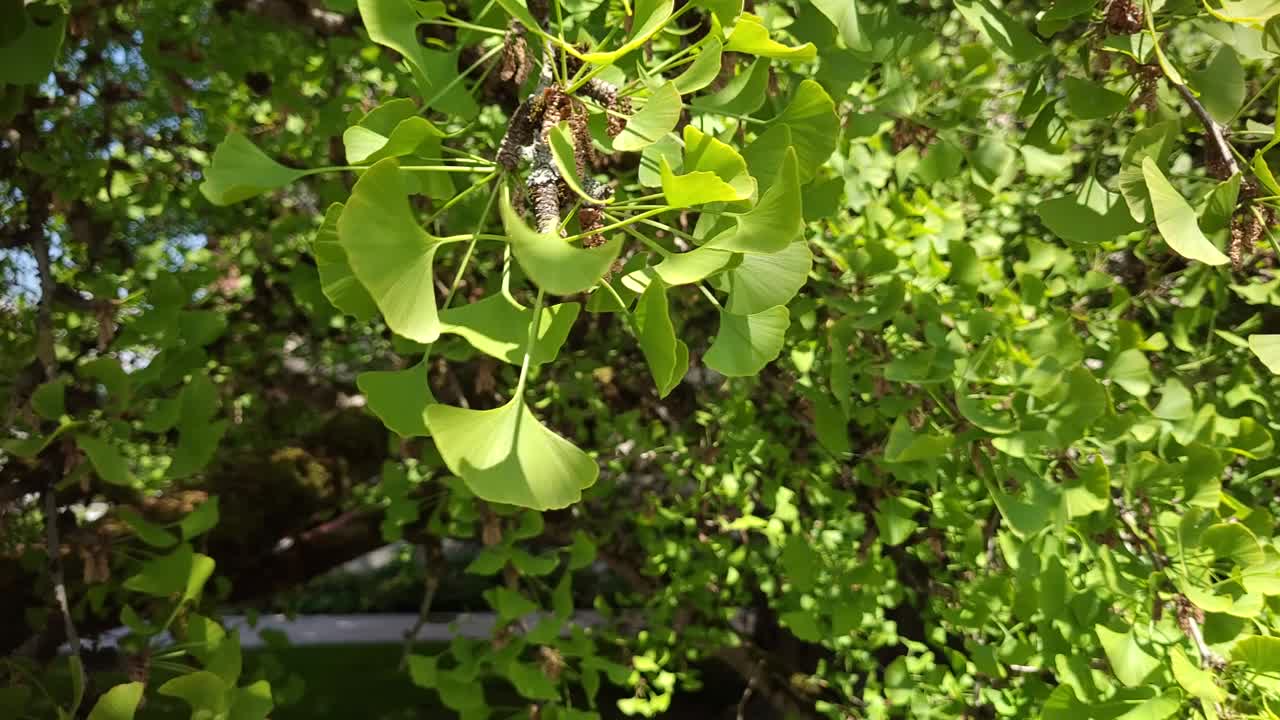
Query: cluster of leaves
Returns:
{"type": "Point", "coordinates": [1011, 453]}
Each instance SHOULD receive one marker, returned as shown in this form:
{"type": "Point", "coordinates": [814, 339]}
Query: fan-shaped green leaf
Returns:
{"type": "Point", "coordinates": [760, 282]}
{"type": "Point", "coordinates": [1177, 220]}
{"type": "Point", "coordinates": [551, 263]}
{"type": "Point", "coordinates": [106, 460]}
{"type": "Point", "coordinates": [1192, 679]}
{"type": "Point", "coordinates": [337, 282]}
{"type": "Point", "coordinates": [742, 95]}
{"type": "Point", "coordinates": [844, 15]}
{"type": "Point", "coordinates": [399, 398]}
{"type": "Point", "coordinates": [390, 253]}
{"type": "Point", "coordinates": [1258, 653]}
{"type": "Point", "coordinates": [690, 267]}
{"type": "Point", "coordinates": [657, 118]}
{"type": "Point", "coordinates": [667, 356]}
{"type": "Point", "coordinates": [118, 703]}
{"type": "Point", "coordinates": [650, 16]}
{"type": "Point", "coordinates": [703, 70]}
{"type": "Point", "coordinates": [704, 153]}
{"type": "Point", "coordinates": [724, 11]}
{"type": "Point", "coordinates": [1003, 31]}
{"type": "Point", "coordinates": [499, 326]}
{"type": "Point", "coordinates": [28, 59]}
{"type": "Point", "coordinates": [1246, 12]}
{"type": "Point", "coordinates": [1130, 663]}
{"type": "Point", "coordinates": [746, 343]}
{"type": "Point", "coordinates": [1267, 348]}
{"type": "Point", "coordinates": [1221, 84]}
{"type": "Point", "coordinates": [202, 690]}
{"type": "Point", "coordinates": [775, 222]}
{"type": "Point", "coordinates": [562, 153]}
{"type": "Point", "coordinates": [700, 188]}
{"type": "Point", "coordinates": [412, 136]}
{"type": "Point", "coordinates": [1090, 101]}
{"type": "Point", "coordinates": [815, 128]}
{"type": "Point", "coordinates": [750, 36]}
{"type": "Point", "coordinates": [182, 571]}
{"type": "Point", "coordinates": [239, 171]}
{"type": "Point", "coordinates": [505, 455]}
{"type": "Point", "coordinates": [394, 24]}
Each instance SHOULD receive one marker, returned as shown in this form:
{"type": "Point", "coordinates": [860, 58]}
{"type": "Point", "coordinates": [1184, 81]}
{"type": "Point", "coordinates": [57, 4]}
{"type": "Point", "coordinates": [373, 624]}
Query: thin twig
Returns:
{"type": "Point", "coordinates": [1211, 127]}
{"type": "Point", "coordinates": [48, 360]}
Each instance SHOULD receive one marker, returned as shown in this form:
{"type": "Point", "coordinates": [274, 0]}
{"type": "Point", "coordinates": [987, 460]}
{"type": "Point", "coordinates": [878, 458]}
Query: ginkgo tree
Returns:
{"type": "Point", "coordinates": [896, 359]}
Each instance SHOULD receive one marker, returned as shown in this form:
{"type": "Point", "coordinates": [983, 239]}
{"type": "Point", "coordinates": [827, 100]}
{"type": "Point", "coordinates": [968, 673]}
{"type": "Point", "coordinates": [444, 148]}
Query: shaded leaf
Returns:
{"type": "Point", "coordinates": [744, 344]}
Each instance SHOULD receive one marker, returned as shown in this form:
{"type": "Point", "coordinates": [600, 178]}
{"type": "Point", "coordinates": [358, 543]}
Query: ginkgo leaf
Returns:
{"type": "Point", "coordinates": [107, 462]}
{"type": "Point", "coordinates": [844, 15]}
{"type": "Point", "coordinates": [551, 263]}
{"type": "Point", "coordinates": [1177, 220]}
{"type": "Point", "coordinates": [750, 36]}
{"type": "Point", "coordinates": [667, 356]}
{"type": "Point", "coordinates": [505, 455]}
{"type": "Point", "coordinates": [390, 253]}
{"type": "Point", "coordinates": [239, 171]}
{"type": "Point", "coordinates": [1267, 348]}
{"type": "Point", "coordinates": [704, 152]}
{"type": "Point", "coordinates": [814, 125]}
{"type": "Point", "coordinates": [775, 222]}
{"type": "Point", "coordinates": [744, 94]}
{"type": "Point", "coordinates": [560, 141]}
{"type": "Point", "coordinates": [337, 282]}
{"type": "Point", "coordinates": [701, 187]}
{"type": "Point", "coordinates": [394, 24]}
{"type": "Point", "coordinates": [499, 326]}
{"type": "Point", "coordinates": [690, 267]}
{"type": "Point", "coordinates": [411, 136]}
{"type": "Point", "coordinates": [118, 703]}
{"type": "Point", "coordinates": [760, 282]}
{"type": "Point", "coordinates": [1130, 663]}
{"type": "Point", "coordinates": [658, 117]}
{"type": "Point", "coordinates": [746, 343]}
{"type": "Point", "coordinates": [399, 398]}
{"type": "Point", "coordinates": [1246, 12]}
{"type": "Point", "coordinates": [703, 70]}
{"type": "Point", "coordinates": [650, 16]}
{"type": "Point", "coordinates": [180, 572]}
{"type": "Point", "coordinates": [1192, 679]}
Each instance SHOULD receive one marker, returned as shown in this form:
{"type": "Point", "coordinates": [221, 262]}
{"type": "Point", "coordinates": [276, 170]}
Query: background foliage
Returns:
{"type": "Point", "coordinates": [895, 359]}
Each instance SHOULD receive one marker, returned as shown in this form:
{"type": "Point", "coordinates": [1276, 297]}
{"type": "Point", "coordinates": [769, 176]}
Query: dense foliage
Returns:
{"type": "Point", "coordinates": [908, 359]}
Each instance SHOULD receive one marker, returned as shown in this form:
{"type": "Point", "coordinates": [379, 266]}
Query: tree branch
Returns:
{"type": "Point", "coordinates": [1213, 131]}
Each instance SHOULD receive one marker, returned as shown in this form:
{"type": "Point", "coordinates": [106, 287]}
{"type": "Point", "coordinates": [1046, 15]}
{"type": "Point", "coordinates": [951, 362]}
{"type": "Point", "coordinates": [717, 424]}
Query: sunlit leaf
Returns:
{"type": "Point", "coordinates": [750, 36]}
{"type": "Point", "coordinates": [551, 263]}
{"type": "Point", "coordinates": [505, 455]}
{"type": "Point", "coordinates": [390, 254]}
{"type": "Point", "coordinates": [1177, 220]}
{"type": "Point", "coordinates": [815, 128]}
{"type": "Point", "coordinates": [337, 281]}
{"type": "Point", "coordinates": [1267, 348]}
{"type": "Point", "coordinates": [1130, 663]}
{"type": "Point", "coordinates": [775, 222]}
{"type": "Point", "coordinates": [657, 118]}
{"type": "Point", "coordinates": [650, 16]}
{"type": "Point", "coordinates": [118, 703]}
{"type": "Point", "coordinates": [498, 326]}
